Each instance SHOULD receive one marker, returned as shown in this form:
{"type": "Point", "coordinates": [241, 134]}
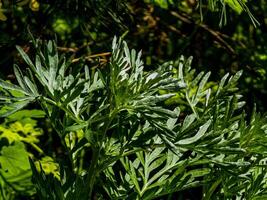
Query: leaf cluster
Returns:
{"type": "Point", "coordinates": [122, 142]}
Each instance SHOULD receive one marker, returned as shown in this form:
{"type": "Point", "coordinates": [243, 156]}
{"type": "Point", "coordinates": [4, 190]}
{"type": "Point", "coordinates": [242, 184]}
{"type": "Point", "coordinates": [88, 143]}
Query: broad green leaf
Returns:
{"type": "Point", "coordinates": [14, 159]}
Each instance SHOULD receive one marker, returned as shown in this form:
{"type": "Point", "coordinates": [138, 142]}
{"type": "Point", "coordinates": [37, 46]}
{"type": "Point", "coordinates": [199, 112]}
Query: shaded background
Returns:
{"type": "Point", "coordinates": [164, 30]}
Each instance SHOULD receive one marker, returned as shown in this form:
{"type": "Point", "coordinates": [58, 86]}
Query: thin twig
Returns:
{"type": "Point", "coordinates": [218, 36]}
{"type": "Point", "coordinates": [68, 49]}
{"type": "Point", "coordinates": [74, 49]}
{"type": "Point", "coordinates": [90, 57]}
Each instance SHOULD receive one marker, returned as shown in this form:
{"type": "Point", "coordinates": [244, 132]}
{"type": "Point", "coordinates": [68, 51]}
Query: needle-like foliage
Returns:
{"type": "Point", "coordinates": [219, 6]}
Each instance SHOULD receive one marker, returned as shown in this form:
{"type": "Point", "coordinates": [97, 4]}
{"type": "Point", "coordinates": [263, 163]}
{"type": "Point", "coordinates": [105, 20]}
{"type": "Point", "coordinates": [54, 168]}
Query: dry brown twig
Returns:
{"type": "Point", "coordinates": [216, 34]}
{"type": "Point", "coordinates": [90, 57]}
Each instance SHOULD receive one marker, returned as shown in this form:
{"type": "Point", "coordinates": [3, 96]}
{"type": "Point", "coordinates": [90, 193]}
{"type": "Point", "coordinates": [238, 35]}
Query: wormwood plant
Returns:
{"type": "Point", "coordinates": [120, 141]}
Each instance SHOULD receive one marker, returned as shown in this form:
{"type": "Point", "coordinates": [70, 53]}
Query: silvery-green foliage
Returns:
{"type": "Point", "coordinates": [135, 146]}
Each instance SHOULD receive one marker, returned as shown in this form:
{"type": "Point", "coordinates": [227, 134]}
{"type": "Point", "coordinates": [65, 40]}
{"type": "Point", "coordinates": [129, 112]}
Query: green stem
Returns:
{"type": "Point", "coordinates": [35, 147]}
{"type": "Point", "coordinates": [72, 116]}
{"type": "Point", "coordinates": [61, 132]}
{"type": "Point", "coordinates": [81, 162]}
{"type": "Point", "coordinates": [93, 170]}
{"type": "Point", "coordinates": [127, 153]}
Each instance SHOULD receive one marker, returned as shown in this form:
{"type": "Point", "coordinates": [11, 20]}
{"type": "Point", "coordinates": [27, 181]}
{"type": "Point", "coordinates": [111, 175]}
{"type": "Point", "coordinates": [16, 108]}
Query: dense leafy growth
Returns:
{"type": "Point", "coordinates": [85, 116]}
{"type": "Point", "coordinates": [137, 147]}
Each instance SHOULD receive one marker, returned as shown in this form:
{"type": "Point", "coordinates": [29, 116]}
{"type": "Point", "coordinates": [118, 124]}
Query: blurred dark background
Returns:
{"type": "Point", "coordinates": [164, 30]}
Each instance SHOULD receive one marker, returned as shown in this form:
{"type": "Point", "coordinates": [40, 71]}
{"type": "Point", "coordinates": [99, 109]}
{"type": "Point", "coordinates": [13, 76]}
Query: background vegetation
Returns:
{"type": "Point", "coordinates": [222, 36]}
